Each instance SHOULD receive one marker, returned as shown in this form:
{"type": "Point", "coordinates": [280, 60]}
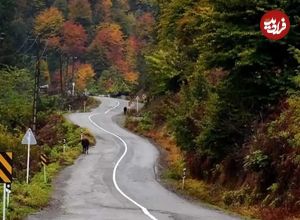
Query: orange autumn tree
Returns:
{"type": "Point", "coordinates": [74, 39]}
{"type": "Point", "coordinates": [145, 26]}
{"type": "Point", "coordinates": [48, 23]}
{"type": "Point", "coordinates": [54, 42]}
{"type": "Point", "coordinates": [47, 26]}
{"type": "Point", "coordinates": [119, 53]}
{"type": "Point", "coordinates": [84, 76]}
{"type": "Point", "coordinates": [133, 49]}
{"type": "Point", "coordinates": [71, 42]}
{"type": "Point", "coordinates": [131, 77]}
{"type": "Point", "coordinates": [110, 41]}
{"type": "Point", "coordinates": [106, 6]}
{"type": "Point", "coordinates": [132, 52]}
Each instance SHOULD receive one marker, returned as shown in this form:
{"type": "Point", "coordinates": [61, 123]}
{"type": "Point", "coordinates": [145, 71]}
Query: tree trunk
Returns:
{"type": "Point", "coordinates": [61, 75]}
{"type": "Point", "coordinates": [36, 88]}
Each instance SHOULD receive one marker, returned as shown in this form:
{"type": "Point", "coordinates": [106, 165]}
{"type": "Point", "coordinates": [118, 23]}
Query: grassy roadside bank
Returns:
{"type": "Point", "coordinates": [171, 170]}
{"type": "Point", "coordinates": [26, 199]}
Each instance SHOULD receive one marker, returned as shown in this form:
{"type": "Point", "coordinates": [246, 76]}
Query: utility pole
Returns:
{"type": "Point", "coordinates": [61, 74]}
{"type": "Point", "coordinates": [36, 87]}
{"type": "Point", "coordinates": [73, 78]}
{"type": "Point", "coordinates": [2, 37]}
{"type": "Point", "coordinates": [67, 78]}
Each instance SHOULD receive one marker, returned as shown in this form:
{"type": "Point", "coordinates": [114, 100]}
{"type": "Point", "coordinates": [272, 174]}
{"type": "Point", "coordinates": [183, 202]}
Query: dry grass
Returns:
{"type": "Point", "coordinates": [167, 143]}
{"type": "Point", "coordinates": [212, 196]}
{"type": "Point", "coordinates": [195, 189]}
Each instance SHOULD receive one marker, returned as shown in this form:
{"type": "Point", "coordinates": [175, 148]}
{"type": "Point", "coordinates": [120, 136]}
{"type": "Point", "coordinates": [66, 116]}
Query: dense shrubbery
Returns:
{"type": "Point", "coordinates": [16, 113]}
{"type": "Point", "coordinates": [16, 87]}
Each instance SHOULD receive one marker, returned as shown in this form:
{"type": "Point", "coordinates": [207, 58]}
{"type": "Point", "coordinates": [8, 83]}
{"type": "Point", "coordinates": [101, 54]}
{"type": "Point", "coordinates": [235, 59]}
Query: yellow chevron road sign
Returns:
{"type": "Point", "coordinates": [6, 167]}
{"type": "Point", "coordinates": [44, 159]}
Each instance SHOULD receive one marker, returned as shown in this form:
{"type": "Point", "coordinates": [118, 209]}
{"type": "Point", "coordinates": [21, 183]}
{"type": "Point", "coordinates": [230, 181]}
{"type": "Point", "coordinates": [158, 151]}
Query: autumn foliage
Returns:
{"type": "Point", "coordinates": [106, 9]}
{"type": "Point", "coordinates": [110, 39]}
{"type": "Point", "coordinates": [80, 11]}
{"type": "Point", "coordinates": [131, 76]}
{"type": "Point", "coordinates": [74, 39]}
{"type": "Point", "coordinates": [54, 42]}
{"type": "Point", "coordinates": [84, 75]}
{"type": "Point", "coordinates": [104, 35]}
{"type": "Point", "coordinates": [48, 23]}
{"type": "Point", "coordinates": [145, 24]}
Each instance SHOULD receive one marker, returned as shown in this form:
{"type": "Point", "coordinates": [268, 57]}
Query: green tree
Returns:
{"type": "Point", "coordinates": [112, 82]}
{"type": "Point", "coordinates": [62, 5]}
{"type": "Point", "coordinates": [16, 105]}
{"type": "Point", "coordinates": [80, 11]}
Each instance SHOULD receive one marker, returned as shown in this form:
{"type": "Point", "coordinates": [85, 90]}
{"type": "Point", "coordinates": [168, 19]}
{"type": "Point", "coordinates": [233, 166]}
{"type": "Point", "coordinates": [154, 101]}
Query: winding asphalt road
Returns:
{"type": "Point", "coordinates": [117, 179]}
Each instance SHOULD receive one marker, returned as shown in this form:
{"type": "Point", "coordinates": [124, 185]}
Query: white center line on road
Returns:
{"type": "Point", "coordinates": [145, 210]}
{"type": "Point", "coordinates": [118, 104]}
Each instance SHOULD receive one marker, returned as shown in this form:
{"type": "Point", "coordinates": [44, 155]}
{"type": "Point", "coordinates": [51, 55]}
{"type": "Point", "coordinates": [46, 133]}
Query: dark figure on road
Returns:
{"type": "Point", "coordinates": [85, 145]}
{"type": "Point", "coordinates": [125, 110]}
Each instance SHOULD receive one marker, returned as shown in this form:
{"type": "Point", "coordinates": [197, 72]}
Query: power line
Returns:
{"type": "Point", "coordinates": [31, 45]}
{"type": "Point", "coordinates": [22, 46]}
{"type": "Point", "coordinates": [19, 49]}
{"type": "Point", "coordinates": [45, 48]}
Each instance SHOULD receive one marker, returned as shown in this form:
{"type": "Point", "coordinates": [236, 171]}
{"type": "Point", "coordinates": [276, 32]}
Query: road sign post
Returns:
{"type": "Point", "coordinates": [8, 191]}
{"type": "Point", "coordinates": [28, 139]}
{"type": "Point", "coordinates": [28, 161]}
{"type": "Point", "coordinates": [4, 199]}
{"type": "Point", "coordinates": [5, 176]}
{"type": "Point", "coordinates": [7, 200]}
{"type": "Point", "coordinates": [44, 161]}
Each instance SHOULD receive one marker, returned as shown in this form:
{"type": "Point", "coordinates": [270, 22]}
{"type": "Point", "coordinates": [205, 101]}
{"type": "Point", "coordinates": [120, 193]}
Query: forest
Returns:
{"type": "Point", "coordinates": [53, 54]}
{"type": "Point", "coordinates": [229, 99]}
{"type": "Point", "coordinates": [89, 43]}
{"type": "Point", "coordinates": [222, 99]}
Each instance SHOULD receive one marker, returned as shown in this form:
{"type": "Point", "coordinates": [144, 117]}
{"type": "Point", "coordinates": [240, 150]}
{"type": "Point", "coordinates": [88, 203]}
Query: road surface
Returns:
{"type": "Point", "coordinates": [117, 179]}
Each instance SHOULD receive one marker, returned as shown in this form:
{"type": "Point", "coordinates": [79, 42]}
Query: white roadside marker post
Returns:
{"type": "Point", "coordinates": [73, 88]}
{"type": "Point", "coordinates": [45, 175]}
{"type": "Point", "coordinates": [64, 146]}
{"type": "Point", "coordinates": [137, 103]}
{"type": "Point", "coordinates": [183, 177]}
